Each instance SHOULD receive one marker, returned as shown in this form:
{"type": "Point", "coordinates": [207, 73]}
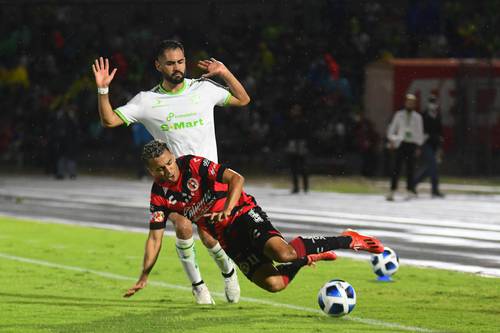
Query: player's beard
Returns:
{"type": "Point", "coordinates": [176, 77]}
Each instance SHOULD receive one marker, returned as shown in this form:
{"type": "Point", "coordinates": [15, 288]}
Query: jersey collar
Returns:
{"type": "Point", "coordinates": [163, 91]}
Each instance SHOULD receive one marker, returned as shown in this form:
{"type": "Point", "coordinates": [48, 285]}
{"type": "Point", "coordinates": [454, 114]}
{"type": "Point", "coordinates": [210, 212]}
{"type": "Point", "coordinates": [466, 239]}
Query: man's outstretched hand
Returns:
{"type": "Point", "coordinates": [217, 216]}
{"type": "Point", "coordinates": [212, 67]}
{"type": "Point", "coordinates": [100, 67]}
{"type": "Point", "coordinates": [138, 286]}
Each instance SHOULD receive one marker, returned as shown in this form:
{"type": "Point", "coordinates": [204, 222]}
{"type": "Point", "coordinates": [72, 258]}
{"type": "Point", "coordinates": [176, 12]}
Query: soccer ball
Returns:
{"type": "Point", "coordinates": [337, 298]}
{"type": "Point", "coordinates": [385, 263]}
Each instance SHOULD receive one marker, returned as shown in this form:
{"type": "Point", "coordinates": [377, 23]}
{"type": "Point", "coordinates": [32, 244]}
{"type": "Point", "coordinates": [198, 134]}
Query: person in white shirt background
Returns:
{"type": "Point", "coordinates": [179, 112]}
{"type": "Point", "coordinates": [405, 135]}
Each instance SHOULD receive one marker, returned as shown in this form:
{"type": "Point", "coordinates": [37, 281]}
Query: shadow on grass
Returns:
{"type": "Point", "coordinates": [159, 317]}
{"type": "Point", "coordinates": [57, 300]}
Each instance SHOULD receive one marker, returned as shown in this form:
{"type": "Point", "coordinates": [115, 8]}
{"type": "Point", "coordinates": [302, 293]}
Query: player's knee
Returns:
{"type": "Point", "coordinates": [183, 229]}
{"type": "Point", "coordinates": [286, 254]}
{"type": "Point", "coordinates": [275, 284]}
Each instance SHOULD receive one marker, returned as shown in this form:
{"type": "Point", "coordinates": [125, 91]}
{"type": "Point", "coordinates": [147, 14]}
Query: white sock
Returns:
{"type": "Point", "coordinates": [187, 256]}
{"type": "Point", "coordinates": [221, 259]}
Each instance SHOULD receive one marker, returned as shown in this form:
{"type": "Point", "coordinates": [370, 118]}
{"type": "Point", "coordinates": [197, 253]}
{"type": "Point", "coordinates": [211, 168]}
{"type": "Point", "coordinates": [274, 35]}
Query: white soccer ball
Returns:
{"type": "Point", "coordinates": [337, 298]}
{"type": "Point", "coordinates": [385, 263]}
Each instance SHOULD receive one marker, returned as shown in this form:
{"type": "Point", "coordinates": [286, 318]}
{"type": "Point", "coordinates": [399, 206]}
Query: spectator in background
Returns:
{"type": "Point", "coordinates": [405, 135]}
{"type": "Point", "coordinates": [66, 142]}
{"type": "Point", "coordinates": [433, 133]}
{"type": "Point", "coordinates": [287, 50]}
{"type": "Point", "coordinates": [297, 135]}
{"type": "Point", "coordinates": [367, 141]}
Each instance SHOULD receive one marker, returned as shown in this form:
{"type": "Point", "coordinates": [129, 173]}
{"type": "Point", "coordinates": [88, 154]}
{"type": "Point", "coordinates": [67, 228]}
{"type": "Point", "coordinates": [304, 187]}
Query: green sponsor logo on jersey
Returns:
{"type": "Point", "coordinates": [170, 125]}
{"type": "Point", "coordinates": [181, 125]}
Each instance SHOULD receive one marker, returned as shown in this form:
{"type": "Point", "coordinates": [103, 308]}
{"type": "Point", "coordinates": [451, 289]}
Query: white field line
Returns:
{"type": "Point", "coordinates": [368, 321]}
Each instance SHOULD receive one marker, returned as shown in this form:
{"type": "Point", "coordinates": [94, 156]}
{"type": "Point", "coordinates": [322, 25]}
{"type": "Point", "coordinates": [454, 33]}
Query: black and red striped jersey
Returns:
{"type": "Point", "coordinates": [198, 191]}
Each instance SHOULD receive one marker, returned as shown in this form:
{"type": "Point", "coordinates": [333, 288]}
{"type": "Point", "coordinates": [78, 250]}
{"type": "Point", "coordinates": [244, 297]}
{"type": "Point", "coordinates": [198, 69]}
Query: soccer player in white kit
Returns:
{"type": "Point", "coordinates": [179, 111]}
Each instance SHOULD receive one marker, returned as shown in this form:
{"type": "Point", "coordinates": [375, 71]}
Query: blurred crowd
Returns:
{"type": "Point", "coordinates": [289, 54]}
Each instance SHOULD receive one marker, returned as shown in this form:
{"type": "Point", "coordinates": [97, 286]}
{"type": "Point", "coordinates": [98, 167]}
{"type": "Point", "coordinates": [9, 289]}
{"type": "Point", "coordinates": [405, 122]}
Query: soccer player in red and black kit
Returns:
{"type": "Point", "coordinates": [212, 196]}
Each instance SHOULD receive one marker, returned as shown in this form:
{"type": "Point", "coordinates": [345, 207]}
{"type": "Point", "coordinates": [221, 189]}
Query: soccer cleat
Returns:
{"type": "Point", "coordinates": [202, 295]}
{"type": "Point", "coordinates": [364, 243]}
{"type": "Point", "coordinates": [232, 288]}
{"type": "Point", "coordinates": [328, 255]}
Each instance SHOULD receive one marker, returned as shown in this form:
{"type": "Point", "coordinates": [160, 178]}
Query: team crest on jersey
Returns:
{"type": "Point", "coordinates": [195, 98]}
{"type": "Point", "coordinates": [192, 184]}
{"type": "Point", "coordinates": [157, 217]}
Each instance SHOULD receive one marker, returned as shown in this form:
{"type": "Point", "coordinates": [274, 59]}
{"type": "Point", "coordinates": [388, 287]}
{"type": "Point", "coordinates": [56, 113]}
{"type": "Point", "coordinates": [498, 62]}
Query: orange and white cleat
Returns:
{"type": "Point", "coordinates": [327, 256]}
{"type": "Point", "coordinates": [363, 243]}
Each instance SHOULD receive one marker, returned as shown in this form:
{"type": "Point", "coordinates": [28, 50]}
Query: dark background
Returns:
{"type": "Point", "coordinates": [284, 53]}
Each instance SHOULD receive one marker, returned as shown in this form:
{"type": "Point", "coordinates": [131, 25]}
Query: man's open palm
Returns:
{"type": "Point", "coordinates": [101, 72]}
{"type": "Point", "coordinates": [212, 66]}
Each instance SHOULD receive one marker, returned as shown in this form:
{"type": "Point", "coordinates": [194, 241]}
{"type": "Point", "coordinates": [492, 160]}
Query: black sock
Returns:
{"type": "Point", "coordinates": [288, 271]}
{"type": "Point", "coordinates": [320, 244]}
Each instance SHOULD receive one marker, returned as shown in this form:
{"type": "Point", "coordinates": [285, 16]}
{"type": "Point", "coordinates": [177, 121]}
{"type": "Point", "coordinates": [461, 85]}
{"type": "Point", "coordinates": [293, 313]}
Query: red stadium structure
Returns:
{"type": "Point", "coordinates": [468, 92]}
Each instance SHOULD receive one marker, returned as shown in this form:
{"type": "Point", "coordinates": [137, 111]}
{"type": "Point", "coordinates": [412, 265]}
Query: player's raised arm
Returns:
{"type": "Point", "coordinates": [216, 68]}
{"type": "Point", "coordinates": [153, 246]}
{"type": "Point", "coordinates": [103, 79]}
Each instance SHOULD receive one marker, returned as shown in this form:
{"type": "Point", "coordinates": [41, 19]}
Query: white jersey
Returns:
{"type": "Point", "coordinates": [184, 120]}
{"type": "Point", "coordinates": [406, 127]}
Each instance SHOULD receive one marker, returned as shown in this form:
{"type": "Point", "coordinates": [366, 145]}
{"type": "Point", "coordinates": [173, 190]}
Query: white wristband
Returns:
{"type": "Point", "coordinates": [102, 91]}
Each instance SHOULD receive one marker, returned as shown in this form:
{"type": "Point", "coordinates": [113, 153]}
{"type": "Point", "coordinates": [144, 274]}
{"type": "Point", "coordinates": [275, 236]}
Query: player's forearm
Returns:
{"type": "Point", "coordinates": [237, 89]}
{"type": "Point", "coordinates": [106, 113]}
{"type": "Point", "coordinates": [151, 252]}
{"type": "Point", "coordinates": [234, 191]}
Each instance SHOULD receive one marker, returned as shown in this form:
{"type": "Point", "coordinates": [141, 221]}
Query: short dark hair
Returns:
{"type": "Point", "coordinates": [168, 44]}
{"type": "Point", "coordinates": [153, 149]}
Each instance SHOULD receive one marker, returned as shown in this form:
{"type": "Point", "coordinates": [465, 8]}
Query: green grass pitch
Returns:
{"type": "Point", "coordinates": [67, 278]}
